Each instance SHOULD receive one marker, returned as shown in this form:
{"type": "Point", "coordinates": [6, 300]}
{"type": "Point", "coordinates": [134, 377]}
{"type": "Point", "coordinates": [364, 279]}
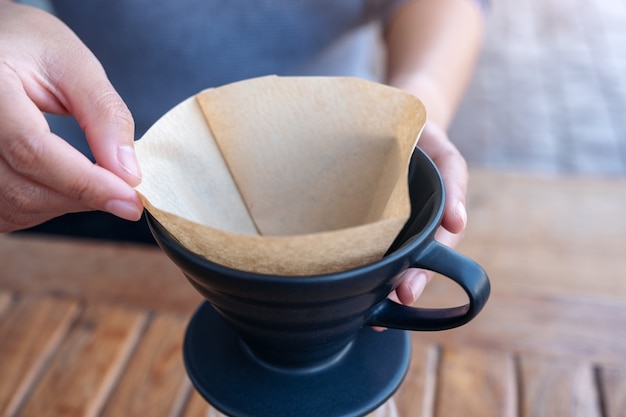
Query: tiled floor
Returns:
{"type": "Point", "coordinates": [549, 94]}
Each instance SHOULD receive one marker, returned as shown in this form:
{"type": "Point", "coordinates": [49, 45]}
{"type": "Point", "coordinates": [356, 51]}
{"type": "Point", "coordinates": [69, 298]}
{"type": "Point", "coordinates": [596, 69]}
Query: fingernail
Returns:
{"type": "Point", "coordinates": [123, 209]}
{"type": "Point", "coordinates": [128, 160]}
{"type": "Point", "coordinates": [462, 212]}
{"type": "Point", "coordinates": [417, 285]}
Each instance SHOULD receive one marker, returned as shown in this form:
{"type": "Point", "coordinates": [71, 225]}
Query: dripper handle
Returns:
{"type": "Point", "coordinates": [455, 266]}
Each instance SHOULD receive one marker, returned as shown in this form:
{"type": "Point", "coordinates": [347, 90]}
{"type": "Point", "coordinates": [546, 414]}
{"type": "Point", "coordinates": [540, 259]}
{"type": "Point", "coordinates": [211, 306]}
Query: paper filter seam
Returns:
{"type": "Point", "coordinates": [228, 166]}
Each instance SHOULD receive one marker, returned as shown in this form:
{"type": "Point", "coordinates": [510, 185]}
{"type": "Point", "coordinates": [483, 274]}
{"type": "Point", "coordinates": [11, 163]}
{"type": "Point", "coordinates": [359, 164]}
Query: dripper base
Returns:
{"type": "Point", "coordinates": [234, 383]}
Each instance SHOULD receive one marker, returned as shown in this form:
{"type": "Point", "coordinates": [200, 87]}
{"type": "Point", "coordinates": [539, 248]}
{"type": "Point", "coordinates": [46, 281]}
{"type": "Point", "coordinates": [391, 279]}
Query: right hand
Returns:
{"type": "Point", "coordinates": [44, 67]}
{"type": "Point", "coordinates": [453, 168]}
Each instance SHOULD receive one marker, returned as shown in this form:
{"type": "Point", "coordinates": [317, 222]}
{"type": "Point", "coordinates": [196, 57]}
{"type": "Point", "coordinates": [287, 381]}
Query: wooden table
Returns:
{"type": "Point", "coordinates": [95, 329]}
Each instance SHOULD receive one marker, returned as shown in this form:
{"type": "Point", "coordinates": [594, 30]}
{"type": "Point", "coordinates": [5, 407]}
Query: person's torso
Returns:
{"type": "Point", "coordinates": [159, 53]}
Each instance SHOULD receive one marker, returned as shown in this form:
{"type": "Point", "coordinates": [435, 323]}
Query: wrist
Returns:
{"type": "Point", "coordinates": [425, 89]}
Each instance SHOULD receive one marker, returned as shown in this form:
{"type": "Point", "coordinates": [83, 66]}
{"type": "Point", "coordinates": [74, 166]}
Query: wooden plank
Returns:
{"type": "Point", "coordinates": [388, 409]}
{"type": "Point", "coordinates": [556, 266]}
{"type": "Point", "coordinates": [538, 234]}
{"type": "Point", "coordinates": [477, 383]}
{"type": "Point", "coordinates": [197, 406]}
{"type": "Point", "coordinates": [576, 328]}
{"type": "Point", "coordinates": [154, 383]}
{"type": "Point", "coordinates": [87, 363]}
{"type": "Point", "coordinates": [30, 331]}
{"type": "Point", "coordinates": [553, 387]}
{"type": "Point", "coordinates": [134, 275]}
{"type": "Point", "coordinates": [416, 395]}
{"type": "Point", "coordinates": [613, 388]}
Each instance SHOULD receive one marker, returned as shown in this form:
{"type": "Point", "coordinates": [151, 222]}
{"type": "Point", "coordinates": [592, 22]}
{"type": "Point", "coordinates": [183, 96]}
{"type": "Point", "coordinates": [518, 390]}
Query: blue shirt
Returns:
{"type": "Point", "coordinates": [156, 54]}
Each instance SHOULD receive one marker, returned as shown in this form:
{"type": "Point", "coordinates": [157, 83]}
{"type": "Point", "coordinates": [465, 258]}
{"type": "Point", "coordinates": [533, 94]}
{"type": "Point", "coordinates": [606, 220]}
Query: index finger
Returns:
{"type": "Point", "coordinates": [30, 149]}
{"type": "Point", "coordinates": [86, 92]}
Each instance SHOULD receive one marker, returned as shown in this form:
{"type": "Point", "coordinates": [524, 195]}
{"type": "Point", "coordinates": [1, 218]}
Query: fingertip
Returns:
{"type": "Point", "coordinates": [124, 209]}
{"type": "Point", "coordinates": [412, 287]}
{"type": "Point", "coordinates": [460, 213]}
{"type": "Point", "coordinates": [455, 216]}
{"type": "Point", "coordinates": [129, 164]}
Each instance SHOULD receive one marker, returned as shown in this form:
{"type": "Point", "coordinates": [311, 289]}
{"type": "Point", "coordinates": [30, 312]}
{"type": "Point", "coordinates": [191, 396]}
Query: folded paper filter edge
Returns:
{"type": "Point", "coordinates": [167, 214]}
{"type": "Point", "coordinates": [226, 161]}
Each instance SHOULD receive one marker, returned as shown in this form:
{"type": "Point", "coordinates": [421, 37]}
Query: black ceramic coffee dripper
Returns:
{"type": "Point", "coordinates": [302, 346]}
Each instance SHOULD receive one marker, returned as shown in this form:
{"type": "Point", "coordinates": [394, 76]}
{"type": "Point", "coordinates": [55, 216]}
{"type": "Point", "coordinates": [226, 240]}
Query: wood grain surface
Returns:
{"type": "Point", "coordinates": [95, 328]}
{"type": "Point", "coordinates": [87, 363]}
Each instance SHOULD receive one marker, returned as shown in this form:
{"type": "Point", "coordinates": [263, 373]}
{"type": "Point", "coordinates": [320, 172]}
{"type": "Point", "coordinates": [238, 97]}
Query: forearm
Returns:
{"type": "Point", "coordinates": [432, 46]}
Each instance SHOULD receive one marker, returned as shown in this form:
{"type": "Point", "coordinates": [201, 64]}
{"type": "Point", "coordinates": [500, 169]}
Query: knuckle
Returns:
{"type": "Point", "coordinates": [23, 154]}
{"type": "Point", "coordinates": [18, 211]}
{"type": "Point", "coordinates": [115, 109]}
{"type": "Point", "coordinates": [6, 225]}
{"type": "Point", "coordinates": [80, 189]}
{"type": "Point", "coordinates": [11, 223]}
{"type": "Point", "coordinates": [20, 198]}
{"type": "Point", "coordinates": [461, 162]}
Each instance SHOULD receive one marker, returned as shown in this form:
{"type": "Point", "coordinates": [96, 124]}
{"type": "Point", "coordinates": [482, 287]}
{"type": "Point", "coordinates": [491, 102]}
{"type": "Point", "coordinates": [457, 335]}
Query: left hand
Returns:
{"type": "Point", "coordinates": [453, 168]}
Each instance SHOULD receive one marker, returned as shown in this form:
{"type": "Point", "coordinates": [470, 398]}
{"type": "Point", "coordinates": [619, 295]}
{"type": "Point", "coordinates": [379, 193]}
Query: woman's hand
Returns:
{"type": "Point", "coordinates": [453, 169]}
{"type": "Point", "coordinates": [44, 67]}
{"type": "Point", "coordinates": [432, 47]}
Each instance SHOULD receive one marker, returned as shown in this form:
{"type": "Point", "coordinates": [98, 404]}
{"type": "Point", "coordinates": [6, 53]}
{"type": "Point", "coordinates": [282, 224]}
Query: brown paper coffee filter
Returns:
{"type": "Point", "coordinates": [284, 175]}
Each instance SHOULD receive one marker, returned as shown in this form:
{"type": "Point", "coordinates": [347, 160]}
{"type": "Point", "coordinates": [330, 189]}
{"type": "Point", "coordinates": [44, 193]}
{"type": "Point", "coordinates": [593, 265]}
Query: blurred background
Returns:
{"type": "Point", "coordinates": [543, 128]}
{"type": "Point", "coordinates": [549, 92]}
